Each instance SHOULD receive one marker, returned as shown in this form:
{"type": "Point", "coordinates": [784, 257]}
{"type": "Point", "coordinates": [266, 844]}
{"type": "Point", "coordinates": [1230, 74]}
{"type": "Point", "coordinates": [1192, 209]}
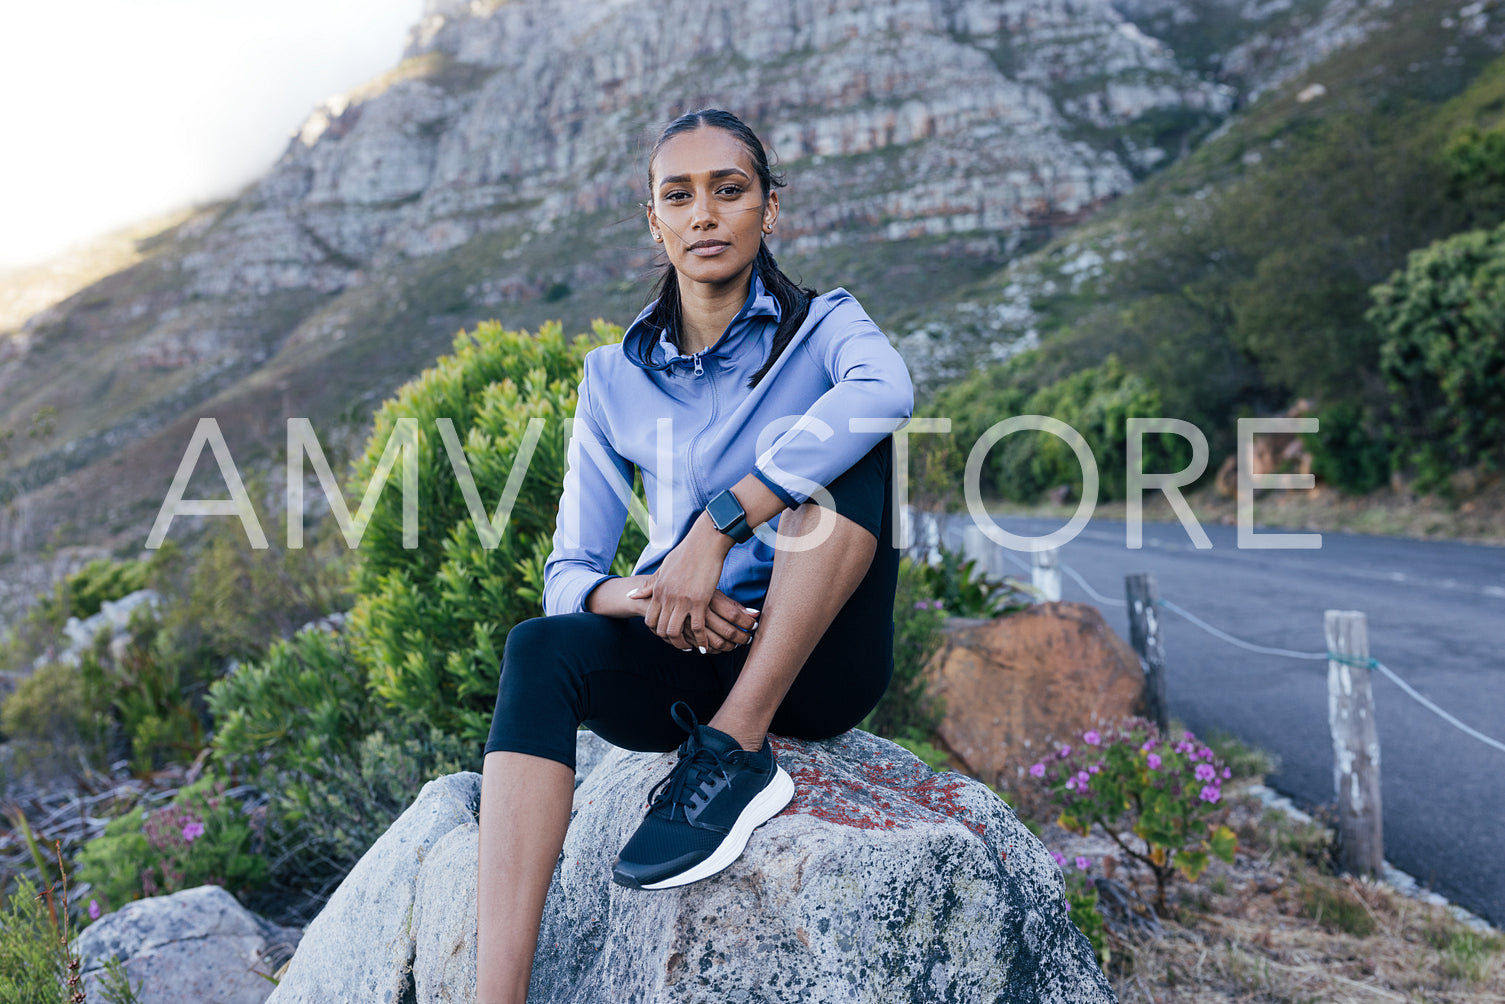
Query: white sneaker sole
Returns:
{"type": "Point", "coordinates": [765, 805]}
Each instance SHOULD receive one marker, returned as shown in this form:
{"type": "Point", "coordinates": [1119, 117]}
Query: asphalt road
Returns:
{"type": "Point", "coordinates": [1436, 616]}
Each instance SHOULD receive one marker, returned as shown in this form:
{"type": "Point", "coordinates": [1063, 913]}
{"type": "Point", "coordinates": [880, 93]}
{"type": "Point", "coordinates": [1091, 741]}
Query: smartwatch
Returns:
{"type": "Point", "coordinates": [729, 516]}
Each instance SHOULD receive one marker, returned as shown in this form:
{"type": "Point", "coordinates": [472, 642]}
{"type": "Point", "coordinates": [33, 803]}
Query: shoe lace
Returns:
{"type": "Point", "coordinates": [692, 778]}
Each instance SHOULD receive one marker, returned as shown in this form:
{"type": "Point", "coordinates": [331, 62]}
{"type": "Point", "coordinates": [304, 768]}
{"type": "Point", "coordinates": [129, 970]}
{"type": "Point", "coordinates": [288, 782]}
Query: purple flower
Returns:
{"type": "Point", "coordinates": [1064, 752]}
{"type": "Point", "coordinates": [1210, 793]}
{"type": "Point", "coordinates": [1184, 747]}
{"type": "Point", "coordinates": [1081, 776]}
{"type": "Point", "coordinates": [1149, 744]}
{"type": "Point", "coordinates": [1205, 772]}
{"type": "Point", "coordinates": [937, 604]}
{"type": "Point", "coordinates": [1071, 783]}
{"type": "Point", "coordinates": [1082, 863]}
{"type": "Point", "coordinates": [192, 830]}
{"type": "Point", "coordinates": [1207, 753]}
{"type": "Point", "coordinates": [1154, 761]}
{"type": "Point", "coordinates": [1092, 737]}
{"type": "Point", "coordinates": [1060, 858]}
{"type": "Point", "coordinates": [1187, 736]}
{"type": "Point", "coordinates": [921, 604]}
{"type": "Point", "coordinates": [1094, 768]}
{"type": "Point", "coordinates": [1038, 770]}
{"type": "Point", "coordinates": [93, 909]}
{"type": "Point", "coordinates": [1227, 773]}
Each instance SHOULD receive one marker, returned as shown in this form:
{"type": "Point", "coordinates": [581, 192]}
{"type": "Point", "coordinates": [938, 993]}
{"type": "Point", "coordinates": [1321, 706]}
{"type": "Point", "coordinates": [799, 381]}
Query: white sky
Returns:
{"type": "Point", "coordinates": [112, 111]}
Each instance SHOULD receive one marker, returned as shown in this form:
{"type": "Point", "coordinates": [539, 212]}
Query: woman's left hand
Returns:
{"type": "Point", "coordinates": [680, 591]}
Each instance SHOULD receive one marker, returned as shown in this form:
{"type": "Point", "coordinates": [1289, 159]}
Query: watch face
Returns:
{"type": "Point", "coordinates": [724, 510]}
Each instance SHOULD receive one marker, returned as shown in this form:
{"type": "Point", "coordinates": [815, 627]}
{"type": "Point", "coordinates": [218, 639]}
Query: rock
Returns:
{"type": "Point", "coordinates": [361, 945]}
{"type": "Point", "coordinates": [191, 947]}
{"type": "Point", "coordinates": [882, 881]}
{"type": "Point", "coordinates": [1050, 670]}
{"type": "Point", "coordinates": [590, 749]}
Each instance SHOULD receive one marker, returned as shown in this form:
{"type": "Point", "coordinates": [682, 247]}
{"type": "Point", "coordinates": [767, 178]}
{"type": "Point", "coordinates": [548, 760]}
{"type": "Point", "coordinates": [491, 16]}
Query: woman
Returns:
{"type": "Point", "coordinates": [745, 402]}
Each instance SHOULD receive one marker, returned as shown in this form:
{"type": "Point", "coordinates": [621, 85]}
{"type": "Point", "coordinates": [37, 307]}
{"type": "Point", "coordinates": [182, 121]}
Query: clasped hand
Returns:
{"type": "Point", "coordinates": [681, 604]}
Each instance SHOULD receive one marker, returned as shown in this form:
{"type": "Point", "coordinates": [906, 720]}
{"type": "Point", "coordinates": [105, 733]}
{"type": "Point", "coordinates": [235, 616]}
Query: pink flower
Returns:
{"type": "Point", "coordinates": [93, 909]}
{"type": "Point", "coordinates": [192, 830]}
{"type": "Point", "coordinates": [1038, 770]}
{"type": "Point", "coordinates": [1064, 752]}
{"type": "Point", "coordinates": [921, 604]}
{"type": "Point", "coordinates": [1205, 772]}
{"type": "Point", "coordinates": [1187, 736]}
{"type": "Point", "coordinates": [1092, 737]}
{"type": "Point", "coordinates": [1149, 744]}
{"type": "Point", "coordinates": [1227, 773]}
{"type": "Point", "coordinates": [1060, 858]}
{"type": "Point", "coordinates": [1184, 747]}
{"type": "Point", "coordinates": [1082, 863]}
{"type": "Point", "coordinates": [1207, 753]}
{"type": "Point", "coordinates": [1094, 768]}
{"type": "Point", "coordinates": [937, 604]}
{"type": "Point", "coordinates": [1154, 761]}
{"type": "Point", "coordinates": [1071, 783]}
{"type": "Point", "coordinates": [1210, 793]}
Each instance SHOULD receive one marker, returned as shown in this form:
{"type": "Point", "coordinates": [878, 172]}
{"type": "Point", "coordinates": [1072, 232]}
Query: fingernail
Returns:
{"type": "Point", "coordinates": [702, 650]}
{"type": "Point", "coordinates": [754, 627]}
{"type": "Point", "coordinates": [752, 611]}
{"type": "Point", "coordinates": [632, 594]}
{"type": "Point", "coordinates": [686, 650]}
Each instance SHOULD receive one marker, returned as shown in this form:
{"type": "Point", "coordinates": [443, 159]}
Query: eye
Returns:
{"type": "Point", "coordinates": [732, 190]}
{"type": "Point", "coordinates": [673, 196]}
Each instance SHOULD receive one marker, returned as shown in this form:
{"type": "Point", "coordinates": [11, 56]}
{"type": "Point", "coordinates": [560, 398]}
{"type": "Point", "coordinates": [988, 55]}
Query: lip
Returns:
{"type": "Point", "coordinates": [708, 248]}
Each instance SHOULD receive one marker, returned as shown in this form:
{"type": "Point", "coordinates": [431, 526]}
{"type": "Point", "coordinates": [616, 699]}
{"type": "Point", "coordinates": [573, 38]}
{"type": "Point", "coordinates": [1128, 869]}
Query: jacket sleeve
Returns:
{"type": "Point", "coordinates": [868, 380]}
{"type": "Point", "coordinates": [592, 511]}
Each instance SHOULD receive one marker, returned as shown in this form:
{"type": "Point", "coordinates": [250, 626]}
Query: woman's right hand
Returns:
{"type": "Point", "coordinates": [728, 623]}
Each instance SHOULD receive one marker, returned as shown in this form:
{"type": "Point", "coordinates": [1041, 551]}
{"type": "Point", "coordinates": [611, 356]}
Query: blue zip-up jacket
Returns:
{"type": "Point", "coordinates": [692, 427]}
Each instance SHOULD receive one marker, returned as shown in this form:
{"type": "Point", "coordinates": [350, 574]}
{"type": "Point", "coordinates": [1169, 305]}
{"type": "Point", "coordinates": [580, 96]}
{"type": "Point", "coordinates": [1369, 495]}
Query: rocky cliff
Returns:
{"type": "Point", "coordinates": [497, 171]}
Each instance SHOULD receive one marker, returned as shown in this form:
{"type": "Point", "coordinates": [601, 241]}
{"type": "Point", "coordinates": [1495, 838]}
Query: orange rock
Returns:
{"type": "Point", "coordinates": [1050, 671]}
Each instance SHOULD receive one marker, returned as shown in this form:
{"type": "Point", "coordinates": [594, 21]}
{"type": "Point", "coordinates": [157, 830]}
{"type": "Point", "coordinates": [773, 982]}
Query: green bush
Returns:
{"type": "Point", "coordinates": [1096, 401]}
{"type": "Point", "coordinates": [53, 709]}
{"type": "Point", "coordinates": [85, 591]}
{"type": "Point", "coordinates": [299, 726]}
{"type": "Point", "coordinates": [36, 966]}
{"type": "Point", "coordinates": [907, 711]}
{"type": "Point", "coordinates": [430, 622]}
{"type": "Point", "coordinates": [1345, 450]}
{"type": "Point", "coordinates": [201, 836]}
{"type": "Point", "coordinates": [1442, 320]}
{"type": "Point", "coordinates": [957, 586]}
{"type": "Point", "coordinates": [1129, 779]}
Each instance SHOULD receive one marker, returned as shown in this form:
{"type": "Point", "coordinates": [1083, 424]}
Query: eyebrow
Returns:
{"type": "Point", "coordinates": [680, 179]}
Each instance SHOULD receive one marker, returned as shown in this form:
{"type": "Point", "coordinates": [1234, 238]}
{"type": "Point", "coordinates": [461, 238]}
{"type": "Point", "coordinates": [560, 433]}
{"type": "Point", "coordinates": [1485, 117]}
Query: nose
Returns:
{"type": "Point", "coordinates": [702, 211]}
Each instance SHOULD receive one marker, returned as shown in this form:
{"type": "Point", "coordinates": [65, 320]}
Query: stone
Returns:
{"type": "Point", "coordinates": [882, 881]}
{"type": "Point", "coordinates": [361, 945]}
{"type": "Point", "coordinates": [1048, 671]}
{"type": "Point", "coordinates": [190, 947]}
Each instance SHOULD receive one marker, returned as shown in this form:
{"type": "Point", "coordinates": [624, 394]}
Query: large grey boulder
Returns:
{"type": "Point", "coordinates": [192, 947]}
{"type": "Point", "coordinates": [882, 881]}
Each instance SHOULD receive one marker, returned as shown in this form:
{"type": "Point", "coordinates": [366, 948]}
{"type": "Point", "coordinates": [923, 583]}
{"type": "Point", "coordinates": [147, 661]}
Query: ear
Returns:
{"type": "Point", "coordinates": [770, 209]}
{"type": "Point", "coordinates": [652, 222]}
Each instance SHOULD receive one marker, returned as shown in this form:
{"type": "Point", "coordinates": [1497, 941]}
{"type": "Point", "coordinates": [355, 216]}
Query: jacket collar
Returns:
{"type": "Point", "coordinates": [642, 333]}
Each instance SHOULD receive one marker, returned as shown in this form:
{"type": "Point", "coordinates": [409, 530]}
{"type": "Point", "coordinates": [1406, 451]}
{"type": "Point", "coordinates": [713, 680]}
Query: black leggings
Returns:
{"type": "Point", "coordinates": [620, 679]}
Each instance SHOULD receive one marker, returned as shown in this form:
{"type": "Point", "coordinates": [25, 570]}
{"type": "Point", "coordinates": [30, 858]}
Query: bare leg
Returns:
{"type": "Point", "coordinates": [525, 810]}
{"type": "Point", "coordinates": [806, 590]}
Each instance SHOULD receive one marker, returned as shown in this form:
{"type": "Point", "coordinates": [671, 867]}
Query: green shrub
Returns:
{"type": "Point", "coordinates": [907, 711]}
{"type": "Point", "coordinates": [963, 590]}
{"type": "Point", "coordinates": [1442, 320]}
{"type": "Point", "coordinates": [36, 966]}
{"type": "Point", "coordinates": [299, 726]}
{"type": "Point", "coordinates": [430, 622]}
{"type": "Point", "coordinates": [321, 819]}
{"type": "Point", "coordinates": [53, 710]}
{"type": "Point", "coordinates": [201, 836]}
{"type": "Point", "coordinates": [1168, 795]}
{"type": "Point", "coordinates": [1346, 451]}
{"type": "Point", "coordinates": [85, 591]}
{"type": "Point", "coordinates": [1336, 907]}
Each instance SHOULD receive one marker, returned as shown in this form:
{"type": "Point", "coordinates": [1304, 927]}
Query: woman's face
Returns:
{"type": "Point", "coordinates": [708, 206]}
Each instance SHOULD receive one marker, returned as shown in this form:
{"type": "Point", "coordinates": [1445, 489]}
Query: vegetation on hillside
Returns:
{"type": "Point", "coordinates": [1271, 265]}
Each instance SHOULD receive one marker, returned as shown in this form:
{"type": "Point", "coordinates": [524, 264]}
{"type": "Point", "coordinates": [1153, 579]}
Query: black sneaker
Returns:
{"type": "Point", "coordinates": [700, 816]}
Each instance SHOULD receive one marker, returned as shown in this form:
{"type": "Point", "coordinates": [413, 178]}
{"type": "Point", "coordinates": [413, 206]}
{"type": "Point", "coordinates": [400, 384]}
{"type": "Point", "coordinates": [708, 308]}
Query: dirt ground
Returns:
{"type": "Point", "coordinates": [1278, 926]}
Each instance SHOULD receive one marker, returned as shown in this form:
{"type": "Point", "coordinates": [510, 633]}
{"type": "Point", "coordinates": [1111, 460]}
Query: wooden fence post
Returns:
{"type": "Point", "coordinates": [1045, 574]}
{"type": "Point", "coordinates": [1356, 743]}
{"type": "Point", "coordinates": [1144, 635]}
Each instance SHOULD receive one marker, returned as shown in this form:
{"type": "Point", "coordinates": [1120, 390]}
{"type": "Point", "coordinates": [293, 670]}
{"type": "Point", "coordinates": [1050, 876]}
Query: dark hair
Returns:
{"type": "Point", "coordinates": [793, 300]}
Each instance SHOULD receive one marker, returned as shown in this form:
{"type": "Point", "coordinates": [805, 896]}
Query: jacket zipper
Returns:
{"type": "Point", "coordinates": [695, 486]}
